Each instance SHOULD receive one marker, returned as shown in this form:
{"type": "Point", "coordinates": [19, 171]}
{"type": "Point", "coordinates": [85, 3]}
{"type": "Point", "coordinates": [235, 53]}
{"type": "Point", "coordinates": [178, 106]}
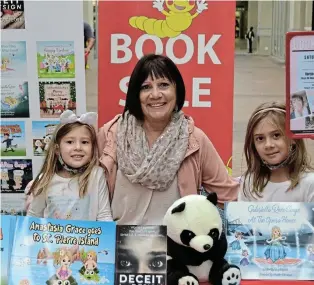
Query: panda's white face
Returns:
{"type": "Point", "coordinates": [194, 221]}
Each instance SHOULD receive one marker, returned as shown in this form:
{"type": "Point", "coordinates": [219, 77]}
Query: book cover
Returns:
{"type": "Point", "coordinates": [56, 97]}
{"type": "Point", "coordinates": [12, 138]}
{"type": "Point", "coordinates": [15, 174]}
{"type": "Point", "coordinates": [141, 255]}
{"type": "Point", "coordinates": [42, 132]}
{"type": "Point", "coordinates": [12, 14]}
{"type": "Point", "coordinates": [53, 252]}
{"type": "Point", "coordinates": [271, 240]}
{"type": "Point", "coordinates": [7, 227]}
{"type": "Point", "coordinates": [55, 59]}
{"type": "Point", "coordinates": [14, 99]}
{"type": "Point", "coordinates": [13, 59]}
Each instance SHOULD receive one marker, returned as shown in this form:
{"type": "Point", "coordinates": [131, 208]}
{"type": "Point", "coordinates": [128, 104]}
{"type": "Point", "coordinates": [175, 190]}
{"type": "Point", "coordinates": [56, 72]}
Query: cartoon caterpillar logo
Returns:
{"type": "Point", "coordinates": [178, 19]}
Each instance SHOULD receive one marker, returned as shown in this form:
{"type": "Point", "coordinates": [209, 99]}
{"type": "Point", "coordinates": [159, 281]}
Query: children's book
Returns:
{"type": "Point", "coordinates": [271, 240]}
{"type": "Point", "coordinates": [14, 99]}
{"type": "Point", "coordinates": [56, 97]}
{"type": "Point", "coordinates": [13, 60]}
{"type": "Point", "coordinates": [15, 174]}
{"type": "Point", "coordinates": [12, 135]}
{"type": "Point", "coordinates": [56, 59]}
{"type": "Point", "coordinates": [7, 228]}
{"type": "Point", "coordinates": [62, 252]}
{"type": "Point", "coordinates": [42, 132]}
{"type": "Point", "coordinates": [141, 255]}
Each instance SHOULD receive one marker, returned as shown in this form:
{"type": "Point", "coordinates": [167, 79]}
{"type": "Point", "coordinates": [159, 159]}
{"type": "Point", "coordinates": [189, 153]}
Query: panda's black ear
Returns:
{"type": "Point", "coordinates": [212, 197]}
{"type": "Point", "coordinates": [179, 208]}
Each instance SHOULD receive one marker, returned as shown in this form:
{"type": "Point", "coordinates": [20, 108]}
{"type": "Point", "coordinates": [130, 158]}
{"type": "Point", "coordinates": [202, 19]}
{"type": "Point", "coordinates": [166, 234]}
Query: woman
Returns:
{"type": "Point", "coordinates": [153, 154]}
{"type": "Point", "coordinates": [299, 105]}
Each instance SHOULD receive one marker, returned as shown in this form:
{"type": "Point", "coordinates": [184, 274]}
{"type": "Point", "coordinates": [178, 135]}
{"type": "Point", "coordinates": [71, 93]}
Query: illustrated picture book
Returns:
{"type": "Point", "coordinates": [66, 252]}
{"type": "Point", "coordinates": [271, 240]}
{"type": "Point", "coordinates": [7, 228]}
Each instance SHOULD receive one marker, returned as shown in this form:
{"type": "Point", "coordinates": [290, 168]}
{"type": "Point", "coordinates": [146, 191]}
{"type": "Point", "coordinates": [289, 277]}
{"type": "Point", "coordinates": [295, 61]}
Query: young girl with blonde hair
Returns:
{"type": "Point", "coordinates": [278, 168]}
{"type": "Point", "coordinates": [70, 185]}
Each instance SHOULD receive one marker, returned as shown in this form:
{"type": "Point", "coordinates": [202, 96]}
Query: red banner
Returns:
{"type": "Point", "coordinates": [197, 35]}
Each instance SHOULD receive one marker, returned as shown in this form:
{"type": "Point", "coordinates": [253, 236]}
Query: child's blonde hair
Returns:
{"type": "Point", "coordinates": [298, 161]}
{"type": "Point", "coordinates": [51, 164]}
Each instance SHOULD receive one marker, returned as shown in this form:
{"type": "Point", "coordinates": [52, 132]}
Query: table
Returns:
{"type": "Point", "coordinates": [270, 282]}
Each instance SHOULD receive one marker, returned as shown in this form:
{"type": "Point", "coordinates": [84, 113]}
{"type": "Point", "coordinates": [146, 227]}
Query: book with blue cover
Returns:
{"type": "Point", "coordinates": [62, 252]}
{"type": "Point", "coordinates": [271, 240]}
{"type": "Point", "coordinates": [7, 228]}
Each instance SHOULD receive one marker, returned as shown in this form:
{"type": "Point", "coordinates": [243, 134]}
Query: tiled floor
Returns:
{"type": "Point", "coordinates": [257, 79]}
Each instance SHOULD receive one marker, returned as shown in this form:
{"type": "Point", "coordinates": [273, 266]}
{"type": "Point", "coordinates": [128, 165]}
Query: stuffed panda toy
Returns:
{"type": "Point", "coordinates": [197, 244]}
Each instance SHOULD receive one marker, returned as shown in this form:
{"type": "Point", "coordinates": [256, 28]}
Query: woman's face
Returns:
{"type": "Point", "coordinates": [158, 99]}
{"type": "Point", "coordinates": [297, 104]}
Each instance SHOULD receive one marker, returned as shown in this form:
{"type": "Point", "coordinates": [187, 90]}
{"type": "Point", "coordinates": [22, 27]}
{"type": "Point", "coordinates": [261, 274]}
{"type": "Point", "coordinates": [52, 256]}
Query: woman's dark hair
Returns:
{"type": "Point", "coordinates": [156, 66]}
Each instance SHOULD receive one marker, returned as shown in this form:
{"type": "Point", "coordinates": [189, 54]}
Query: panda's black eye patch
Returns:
{"type": "Point", "coordinates": [186, 237]}
{"type": "Point", "coordinates": [214, 233]}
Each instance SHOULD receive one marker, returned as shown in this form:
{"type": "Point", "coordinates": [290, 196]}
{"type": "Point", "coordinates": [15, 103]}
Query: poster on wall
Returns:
{"type": "Point", "coordinates": [42, 74]}
{"type": "Point", "coordinates": [14, 99]}
{"type": "Point", "coordinates": [13, 59]}
{"type": "Point", "coordinates": [12, 15]}
{"type": "Point", "coordinates": [56, 97]}
{"type": "Point", "coordinates": [12, 138]}
{"type": "Point", "coordinates": [199, 41]}
{"type": "Point", "coordinates": [15, 175]}
{"type": "Point", "coordinates": [300, 84]}
{"type": "Point", "coordinates": [55, 59]}
{"type": "Point", "coordinates": [42, 132]}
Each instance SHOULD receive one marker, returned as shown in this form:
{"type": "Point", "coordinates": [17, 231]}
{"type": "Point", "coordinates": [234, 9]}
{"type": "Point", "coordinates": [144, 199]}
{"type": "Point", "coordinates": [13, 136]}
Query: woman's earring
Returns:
{"type": "Point", "coordinates": [176, 109]}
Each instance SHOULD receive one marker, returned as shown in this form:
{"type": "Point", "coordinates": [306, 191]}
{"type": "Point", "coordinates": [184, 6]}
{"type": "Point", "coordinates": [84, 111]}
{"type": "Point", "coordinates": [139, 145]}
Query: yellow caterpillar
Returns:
{"type": "Point", "coordinates": [178, 19]}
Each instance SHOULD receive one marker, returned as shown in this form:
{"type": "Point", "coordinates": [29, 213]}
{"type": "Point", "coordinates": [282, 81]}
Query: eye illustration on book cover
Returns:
{"type": "Point", "coordinates": [271, 240]}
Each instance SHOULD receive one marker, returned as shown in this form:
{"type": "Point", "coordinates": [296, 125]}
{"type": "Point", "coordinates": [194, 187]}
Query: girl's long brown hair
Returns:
{"type": "Point", "coordinates": [52, 165]}
{"type": "Point", "coordinates": [257, 174]}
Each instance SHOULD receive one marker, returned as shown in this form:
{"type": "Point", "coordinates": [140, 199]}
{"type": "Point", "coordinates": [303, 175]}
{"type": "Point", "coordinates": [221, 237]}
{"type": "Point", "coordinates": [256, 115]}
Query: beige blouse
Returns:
{"type": "Point", "coordinates": [133, 204]}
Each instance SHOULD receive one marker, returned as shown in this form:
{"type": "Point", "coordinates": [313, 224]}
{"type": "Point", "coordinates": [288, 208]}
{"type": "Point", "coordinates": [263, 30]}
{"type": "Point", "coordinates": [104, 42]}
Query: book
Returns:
{"type": "Point", "coordinates": [7, 228]}
{"type": "Point", "coordinates": [141, 255]}
{"type": "Point", "coordinates": [13, 59]}
{"type": "Point", "coordinates": [13, 138]}
{"type": "Point", "coordinates": [271, 240]}
{"type": "Point", "coordinates": [15, 174]}
{"type": "Point", "coordinates": [56, 97]}
{"type": "Point", "coordinates": [65, 252]}
{"type": "Point", "coordinates": [42, 133]}
{"type": "Point", "coordinates": [12, 15]}
{"type": "Point", "coordinates": [14, 99]}
{"type": "Point", "coordinates": [56, 59]}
